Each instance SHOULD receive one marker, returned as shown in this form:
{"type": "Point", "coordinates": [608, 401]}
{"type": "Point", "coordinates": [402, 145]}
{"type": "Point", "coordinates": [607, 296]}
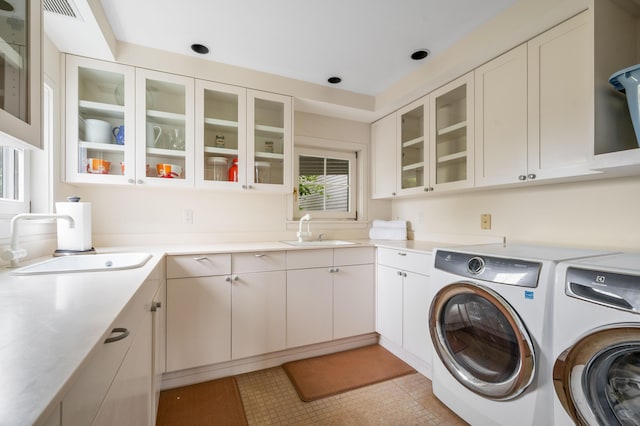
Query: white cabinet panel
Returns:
{"type": "Point", "coordinates": [383, 157]}
{"type": "Point", "coordinates": [353, 300]}
{"type": "Point", "coordinates": [389, 304]}
{"type": "Point", "coordinates": [405, 260]}
{"type": "Point", "coordinates": [198, 265]}
{"type": "Point", "coordinates": [258, 262]}
{"type": "Point", "coordinates": [415, 325]}
{"type": "Point", "coordinates": [309, 306]}
{"type": "Point", "coordinates": [301, 259]}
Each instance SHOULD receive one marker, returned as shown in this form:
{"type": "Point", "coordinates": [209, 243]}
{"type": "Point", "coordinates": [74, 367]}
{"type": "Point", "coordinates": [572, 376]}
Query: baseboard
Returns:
{"type": "Point", "coordinates": [231, 368]}
{"type": "Point", "coordinates": [423, 367]}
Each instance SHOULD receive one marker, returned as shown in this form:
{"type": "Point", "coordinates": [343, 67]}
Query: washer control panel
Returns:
{"type": "Point", "coordinates": [522, 273]}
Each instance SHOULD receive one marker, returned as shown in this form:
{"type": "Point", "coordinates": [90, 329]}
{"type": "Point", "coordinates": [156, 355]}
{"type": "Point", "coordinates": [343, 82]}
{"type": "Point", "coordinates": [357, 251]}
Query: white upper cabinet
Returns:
{"type": "Point", "coordinates": [501, 119]}
{"type": "Point", "coordinates": [21, 62]}
{"type": "Point", "coordinates": [269, 143]}
{"type": "Point", "coordinates": [560, 101]}
{"type": "Point", "coordinates": [452, 131]}
{"type": "Point", "coordinates": [221, 132]}
{"type": "Point", "coordinates": [100, 104]}
{"type": "Point", "coordinates": [165, 129]}
{"type": "Point", "coordinates": [413, 147]}
{"type": "Point", "coordinates": [383, 157]}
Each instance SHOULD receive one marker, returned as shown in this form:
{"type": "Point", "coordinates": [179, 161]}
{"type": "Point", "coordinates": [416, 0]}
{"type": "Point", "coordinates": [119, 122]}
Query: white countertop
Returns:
{"type": "Point", "coordinates": [50, 323]}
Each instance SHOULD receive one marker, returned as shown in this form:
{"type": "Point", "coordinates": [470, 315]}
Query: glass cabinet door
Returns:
{"type": "Point", "coordinates": [21, 70]}
{"type": "Point", "coordinates": [413, 155]}
{"type": "Point", "coordinates": [221, 134]}
{"type": "Point", "coordinates": [100, 121]}
{"type": "Point", "coordinates": [268, 141]}
{"type": "Point", "coordinates": [452, 134]}
{"type": "Point", "coordinates": [165, 128]}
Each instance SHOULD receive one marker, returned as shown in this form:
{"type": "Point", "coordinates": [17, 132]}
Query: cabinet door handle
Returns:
{"type": "Point", "coordinates": [401, 253]}
{"type": "Point", "coordinates": [400, 273]}
{"type": "Point", "coordinates": [332, 270]}
{"type": "Point", "coordinates": [236, 278]}
{"type": "Point", "coordinates": [531, 176]}
{"type": "Point", "coordinates": [131, 181]}
{"type": "Point", "coordinates": [139, 181]}
{"type": "Point", "coordinates": [123, 334]}
{"type": "Point", "coordinates": [404, 274]}
{"type": "Point", "coordinates": [155, 306]}
{"type": "Point", "coordinates": [522, 177]}
{"type": "Point", "coordinates": [228, 279]}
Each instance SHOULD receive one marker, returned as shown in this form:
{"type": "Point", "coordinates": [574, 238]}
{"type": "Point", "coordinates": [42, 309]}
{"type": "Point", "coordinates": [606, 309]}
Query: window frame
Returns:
{"type": "Point", "coordinates": [351, 157]}
{"type": "Point", "coordinates": [9, 208]}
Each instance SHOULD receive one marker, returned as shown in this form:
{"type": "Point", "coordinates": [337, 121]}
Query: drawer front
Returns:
{"type": "Point", "coordinates": [198, 265]}
{"type": "Point", "coordinates": [353, 256]}
{"type": "Point", "coordinates": [302, 259]}
{"type": "Point", "coordinates": [406, 260]}
{"type": "Point", "coordinates": [258, 261]}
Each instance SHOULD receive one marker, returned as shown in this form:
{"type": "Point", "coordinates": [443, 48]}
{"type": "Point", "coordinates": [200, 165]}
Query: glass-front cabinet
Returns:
{"type": "Point", "coordinates": [452, 132]}
{"type": "Point", "coordinates": [221, 134]}
{"type": "Point", "coordinates": [413, 147]}
{"type": "Point", "coordinates": [165, 129]}
{"type": "Point", "coordinates": [100, 118]}
{"type": "Point", "coordinates": [269, 141]}
{"type": "Point", "coordinates": [21, 70]}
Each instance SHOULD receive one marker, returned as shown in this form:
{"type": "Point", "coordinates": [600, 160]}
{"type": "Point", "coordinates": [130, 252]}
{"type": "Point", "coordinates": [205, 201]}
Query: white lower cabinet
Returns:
{"type": "Point", "coordinates": [330, 294]}
{"type": "Point", "coordinates": [115, 386]}
{"type": "Point", "coordinates": [403, 300]}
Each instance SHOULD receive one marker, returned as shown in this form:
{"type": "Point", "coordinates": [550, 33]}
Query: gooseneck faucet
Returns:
{"type": "Point", "coordinates": [13, 253]}
{"type": "Point", "coordinates": [302, 235]}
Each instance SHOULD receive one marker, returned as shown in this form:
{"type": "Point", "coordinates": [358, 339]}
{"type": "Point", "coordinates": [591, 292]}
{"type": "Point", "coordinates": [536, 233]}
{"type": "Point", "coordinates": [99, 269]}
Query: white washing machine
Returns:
{"type": "Point", "coordinates": [596, 342]}
{"type": "Point", "coordinates": [491, 331]}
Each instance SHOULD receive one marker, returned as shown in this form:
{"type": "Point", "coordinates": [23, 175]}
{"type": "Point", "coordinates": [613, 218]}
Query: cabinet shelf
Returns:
{"type": "Point", "coordinates": [164, 117]}
{"type": "Point", "coordinates": [221, 151]}
{"type": "Point", "coordinates": [101, 146]}
{"type": "Point", "coordinates": [166, 152]}
{"type": "Point", "coordinates": [458, 156]}
{"type": "Point", "coordinates": [101, 108]}
{"type": "Point", "coordinates": [269, 130]}
{"type": "Point", "coordinates": [221, 123]}
{"type": "Point", "coordinates": [413, 166]}
{"type": "Point", "coordinates": [269, 156]}
{"type": "Point", "coordinates": [413, 142]}
{"type": "Point", "coordinates": [453, 128]}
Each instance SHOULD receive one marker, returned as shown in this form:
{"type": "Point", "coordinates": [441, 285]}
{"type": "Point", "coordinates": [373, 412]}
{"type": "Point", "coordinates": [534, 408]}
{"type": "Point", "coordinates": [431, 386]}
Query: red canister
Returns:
{"type": "Point", "coordinates": [233, 171]}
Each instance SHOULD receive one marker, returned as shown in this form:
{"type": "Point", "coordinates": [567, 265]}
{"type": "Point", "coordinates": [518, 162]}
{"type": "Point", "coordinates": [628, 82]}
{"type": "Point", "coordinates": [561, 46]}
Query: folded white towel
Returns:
{"type": "Point", "coordinates": [396, 224]}
{"type": "Point", "coordinates": [388, 233]}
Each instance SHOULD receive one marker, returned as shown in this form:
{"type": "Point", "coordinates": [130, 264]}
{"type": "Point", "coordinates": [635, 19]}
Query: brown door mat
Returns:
{"type": "Point", "coordinates": [217, 402]}
{"type": "Point", "coordinates": [327, 375]}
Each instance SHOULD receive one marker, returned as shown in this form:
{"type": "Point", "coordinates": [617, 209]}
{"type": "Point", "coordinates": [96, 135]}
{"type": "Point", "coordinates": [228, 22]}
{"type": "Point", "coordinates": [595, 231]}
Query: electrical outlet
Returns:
{"type": "Point", "coordinates": [485, 221]}
{"type": "Point", "coordinates": [187, 217]}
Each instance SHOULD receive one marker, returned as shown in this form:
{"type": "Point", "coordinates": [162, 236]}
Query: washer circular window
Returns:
{"type": "Point", "coordinates": [481, 340]}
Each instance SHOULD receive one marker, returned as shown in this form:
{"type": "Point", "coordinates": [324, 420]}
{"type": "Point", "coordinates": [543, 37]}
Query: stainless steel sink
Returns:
{"type": "Point", "coordinates": [86, 263]}
{"type": "Point", "coordinates": [321, 243]}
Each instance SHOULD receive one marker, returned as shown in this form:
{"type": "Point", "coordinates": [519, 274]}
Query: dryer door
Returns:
{"type": "Point", "coordinates": [481, 340]}
{"type": "Point", "coordinates": [598, 378]}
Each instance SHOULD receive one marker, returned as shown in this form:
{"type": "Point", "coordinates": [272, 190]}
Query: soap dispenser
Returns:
{"type": "Point", "coordinates": [76, 240]}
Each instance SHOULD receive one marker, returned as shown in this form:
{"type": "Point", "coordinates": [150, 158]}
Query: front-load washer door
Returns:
{"type": "Point", "coordinates": [481, 340]}
{"type": "Point", "coordinates": [598, 378]}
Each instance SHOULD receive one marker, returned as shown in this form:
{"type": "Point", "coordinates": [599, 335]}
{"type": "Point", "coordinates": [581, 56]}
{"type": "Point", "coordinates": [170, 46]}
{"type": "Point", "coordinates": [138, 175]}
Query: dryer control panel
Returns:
{"type": "Point", "coordinates": [605, 288]}
{"type": "Point", "coordinates": [522, 273]}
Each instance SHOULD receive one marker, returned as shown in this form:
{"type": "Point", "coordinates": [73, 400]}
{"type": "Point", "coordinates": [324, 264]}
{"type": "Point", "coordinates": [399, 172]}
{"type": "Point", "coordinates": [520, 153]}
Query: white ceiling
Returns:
{"type": "Point", "coordinates": [365, 42]}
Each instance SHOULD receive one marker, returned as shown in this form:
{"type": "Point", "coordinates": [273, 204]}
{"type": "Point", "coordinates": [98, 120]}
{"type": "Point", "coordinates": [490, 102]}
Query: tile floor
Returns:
{"type": "Point", "coordinates": [270, 399]}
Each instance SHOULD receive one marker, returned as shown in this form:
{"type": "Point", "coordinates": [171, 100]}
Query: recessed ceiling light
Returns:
{"type": "Point", "coordinates": [419, 54]}
{"type": "Point", "coordinates": [6, 6]}
{"type": "Point", "coordinates": [334, 80]}
{"type": "Point", "coordinates": [200, 48]}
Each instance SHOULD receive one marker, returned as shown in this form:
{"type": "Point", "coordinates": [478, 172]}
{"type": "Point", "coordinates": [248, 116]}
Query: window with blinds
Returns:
{"type": "Point", "coordinates": [326, 184]}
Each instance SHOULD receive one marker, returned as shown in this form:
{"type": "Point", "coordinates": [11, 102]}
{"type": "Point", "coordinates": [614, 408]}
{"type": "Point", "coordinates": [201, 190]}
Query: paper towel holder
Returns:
{"type": "Point", "coordinates": [64, 252]}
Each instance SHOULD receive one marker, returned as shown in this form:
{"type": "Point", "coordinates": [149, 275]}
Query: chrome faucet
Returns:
{"type": "Point", "coordinates": [13, 253]}
{"type": "Point", "coordinates": [306, 234]}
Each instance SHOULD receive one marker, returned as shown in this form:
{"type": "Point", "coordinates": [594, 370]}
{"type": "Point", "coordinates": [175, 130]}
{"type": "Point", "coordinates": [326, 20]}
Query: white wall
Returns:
{"type": "Point", "coordinates": [598, 214]}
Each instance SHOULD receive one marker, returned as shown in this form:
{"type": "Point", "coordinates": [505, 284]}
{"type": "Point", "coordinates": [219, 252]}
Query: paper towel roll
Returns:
{"type": "Point", "coordinates": [77, 238]}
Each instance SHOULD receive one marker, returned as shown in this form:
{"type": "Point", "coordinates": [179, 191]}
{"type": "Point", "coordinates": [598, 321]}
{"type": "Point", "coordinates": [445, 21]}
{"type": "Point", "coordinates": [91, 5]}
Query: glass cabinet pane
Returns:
{"type": "Point", "coordinates": [165, 129]}
{"type": "Point", "coordinates": [221, 135]}
{"type": "Point", "coordinates": [451, 135]}
{"type": "Point", "coordinates": [412, 150]}
{"type": "Point", "coordinates": [269, 130]}
{"type": "Point", "coordinates": [101, 119]}
{"type": "Point", "coordinates": [14, 59]}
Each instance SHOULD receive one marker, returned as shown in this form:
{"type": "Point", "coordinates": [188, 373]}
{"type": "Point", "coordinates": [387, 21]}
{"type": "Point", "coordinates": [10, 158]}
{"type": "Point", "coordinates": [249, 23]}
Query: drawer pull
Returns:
{"type": "Point", "coordinates": [200, 259]}
{"type": "Point", "coordinates": [401, 253]}
{"type": "Point", "coordinates": [123, 334]}
{"type": "Point", "coordinates": [155, 306]}
{"type": "Point", "coordinates": [260, 255]}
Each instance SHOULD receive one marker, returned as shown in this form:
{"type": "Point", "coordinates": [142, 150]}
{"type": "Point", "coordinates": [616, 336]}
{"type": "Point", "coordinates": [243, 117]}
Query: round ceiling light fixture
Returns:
{"type": "Point", "coordinates": [334, 80]}
{"type": "Point", "coordinates": [200, 48]}
{"type": "Point", "coordinates": [419, 54]}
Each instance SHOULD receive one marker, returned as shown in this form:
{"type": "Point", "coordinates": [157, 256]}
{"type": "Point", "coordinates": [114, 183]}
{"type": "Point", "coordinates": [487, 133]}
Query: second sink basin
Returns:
{"type": "Point", "coordinates": [85, 263]}
{"type": "Point", "coordinates": [319, 243]}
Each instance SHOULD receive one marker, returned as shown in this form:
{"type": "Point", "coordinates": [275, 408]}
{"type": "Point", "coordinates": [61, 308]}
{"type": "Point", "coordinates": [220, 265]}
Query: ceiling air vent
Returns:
{"type": "Point", "coordinates": [61, 7]}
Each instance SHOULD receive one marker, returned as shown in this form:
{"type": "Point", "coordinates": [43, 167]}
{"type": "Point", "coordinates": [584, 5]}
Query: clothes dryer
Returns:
{"type": "Point", "coordinates": [491, 331]}
{"type": "Point", "coordinates": [596, 342]}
